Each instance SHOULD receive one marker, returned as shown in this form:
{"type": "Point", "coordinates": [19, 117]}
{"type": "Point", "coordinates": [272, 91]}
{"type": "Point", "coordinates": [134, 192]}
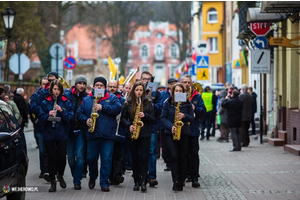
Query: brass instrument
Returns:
{"type": "Point", "coordinates": [137, 123]}
{"type": "Point", "coordinates": [53, 118]}
{"type": "Point", "coordinates": [94, 115]}
{"type": "Point", "coordinates": [118, 119]}
{"type": "Point", "coordinates": [131, 76]}
{"type": "Point", "coordinates": [198, 87]}
{"type": "Point", "coordinates": [63, 82]}
{"type": "Point", "coordinates": [178, 124]}
{"type": "Point", "coordinates": [189, 95]}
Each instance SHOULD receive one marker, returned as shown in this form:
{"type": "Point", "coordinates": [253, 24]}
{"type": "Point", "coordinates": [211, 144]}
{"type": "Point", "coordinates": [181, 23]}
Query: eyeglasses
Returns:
{"type": "Point", "coordinates": [51, 80]}
{"type": "Point", "coordinates": [112, 86]}
{"type": "Point", "coordinates": [187, 82]}
{"type": "Point", "coordinates": [146, 79]}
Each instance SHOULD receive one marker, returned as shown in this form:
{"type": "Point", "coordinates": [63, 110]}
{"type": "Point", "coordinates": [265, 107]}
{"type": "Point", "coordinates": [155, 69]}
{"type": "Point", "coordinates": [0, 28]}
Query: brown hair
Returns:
{"type": "Point", "coordinates": [59, 85]}
{"type": "Point", "coordinates": [172, 97]}
{"type": "Point", "coordinates": [6, 94]}
{"type": "Point", "coordinates": [133, 97]}
{"type": "Point", "coordinates": [145, 72]}
{"type": "Point", "coordinates": [250, 88]}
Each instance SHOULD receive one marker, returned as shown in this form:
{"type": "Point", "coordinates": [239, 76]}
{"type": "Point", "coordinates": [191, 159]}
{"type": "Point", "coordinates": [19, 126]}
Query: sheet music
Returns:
{"type": "Point", "coordinates": [151, 86]}
{"type": "Point", "coordinates": [99, 92]}
{"type": "Point", "coordinates": [180, 97]}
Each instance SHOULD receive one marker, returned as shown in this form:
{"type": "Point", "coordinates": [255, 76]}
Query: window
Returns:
{"type": "Point", "coordinates": [173, 51]}
{"type": "Point", "coordinates": [159, 52]}
{"type": "Point", "coordinates": [212, 16]}
{"type": "Point", "coordinates": [173, 71]}
{"type": "Point", "coordinates": [129, 54]}
{"type": "Point", "coordinates": [144, 51]}
{"type": "Point", "coordinates": [213, 44]}
{"type": "Point", "coordinates": [145, 68]}
{"type": "Point", "coordinates": [159, 35]}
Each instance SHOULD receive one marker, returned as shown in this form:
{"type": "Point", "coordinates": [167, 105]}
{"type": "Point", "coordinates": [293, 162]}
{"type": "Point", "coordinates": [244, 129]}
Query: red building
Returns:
{"type": "Point", "coordinates": [154, 49]}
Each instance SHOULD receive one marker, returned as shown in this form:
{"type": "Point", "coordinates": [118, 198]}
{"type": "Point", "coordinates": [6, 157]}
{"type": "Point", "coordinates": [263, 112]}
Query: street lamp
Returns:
{"type": "Point", "coordinates": [8, 19]}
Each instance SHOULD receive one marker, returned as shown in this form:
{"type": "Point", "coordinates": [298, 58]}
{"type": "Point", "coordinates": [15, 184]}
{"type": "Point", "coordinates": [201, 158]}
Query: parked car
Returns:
{"type": "Point", "coordinates": [213, 86]}
{"type": "Point", "coordinates": [13, 155]}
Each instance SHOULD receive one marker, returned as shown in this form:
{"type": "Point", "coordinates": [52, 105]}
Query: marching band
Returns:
{"type": "Point", "coordinates": [79, 126]}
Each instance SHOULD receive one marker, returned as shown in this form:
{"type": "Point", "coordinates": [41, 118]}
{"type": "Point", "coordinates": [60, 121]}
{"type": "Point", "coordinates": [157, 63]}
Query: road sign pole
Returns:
{"type": "Point", "coordinates": [19, 63]}
{"type": "Point", "coordinates": [261, 112]}
{"type": "Point", "coordinates": [57, 47]}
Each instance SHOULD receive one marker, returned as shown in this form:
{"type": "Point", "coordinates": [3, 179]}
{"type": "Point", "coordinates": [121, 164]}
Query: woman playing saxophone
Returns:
{"type": "Point", "coordinates": [138, 108]}
{"type": "Point", "coordinates": [177, 148]}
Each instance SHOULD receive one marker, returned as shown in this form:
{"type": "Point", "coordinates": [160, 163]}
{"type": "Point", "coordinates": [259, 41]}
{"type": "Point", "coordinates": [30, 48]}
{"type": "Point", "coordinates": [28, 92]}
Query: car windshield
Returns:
{"type": "Point", "coordinates": [8, 121]}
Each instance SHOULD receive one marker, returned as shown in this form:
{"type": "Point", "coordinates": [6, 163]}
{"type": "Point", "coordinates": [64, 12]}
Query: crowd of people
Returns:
{"type": "Point", "coordinates": [131, 126]}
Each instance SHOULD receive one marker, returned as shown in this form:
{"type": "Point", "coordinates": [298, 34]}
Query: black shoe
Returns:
{"type": "Point", "coordinates": [143, 186]}
{"type": "Point", "coordinates": [129, 168]}
{"type": "Point", "coordinates": [207, 138]}
{"type": "Point", "coordinates": [175, 186]}
{"type": "Point", "coordinates": [195, 183]}
{"type": "Point", "coordinates": [53, 186]}
{"type": "Point", "coordinates": [166, 169]}
{"type": "Point", "coordinates": [77, 187]}
{"type": "Point", "coordinates": [244, 145]}
{"type": "Point", "coordinates": [202, 138]}
{"type": "Point", "coordinates": [91, 184]}
{"type": "Point", "coordinates": [188, 180]}
{"type": "Point", "coordinates": [180, 187]}
{"type": "Point", "coordinates": [153, 182]}
{"type": "Point", "coordinates": [61, 180]}
{"type": "Point", "coordinates": [119, 179]}
{"type": "Point", "coordinates": [83, 175]}
{"type": "Point", "coordinates": [136, 187]}
{"type": "Point", "coordinates": [41, 175]}
{"type": "Point", "coordinates": [47, 177]}
{"type": "Point", "coordinates": [105, 189]}
{"type": "Point", "coordinates": [234, 150]}
{"type": "Point", "coordinates": [113, 183]}
{"type": "Point", "coordinates": [37, 147]}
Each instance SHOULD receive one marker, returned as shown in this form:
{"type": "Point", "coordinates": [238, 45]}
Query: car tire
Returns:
{"type": "Point", "coordinates": [21, 183]}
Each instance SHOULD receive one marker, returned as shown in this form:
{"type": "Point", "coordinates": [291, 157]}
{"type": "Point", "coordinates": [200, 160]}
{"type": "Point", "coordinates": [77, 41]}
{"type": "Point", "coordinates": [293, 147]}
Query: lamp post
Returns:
{"type": "Point", "coordinates": [8, 19]}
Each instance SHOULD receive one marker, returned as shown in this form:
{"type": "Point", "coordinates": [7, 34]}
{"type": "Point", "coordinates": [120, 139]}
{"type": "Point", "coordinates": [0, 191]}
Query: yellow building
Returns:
{"type": "Point", "coordinates": [211, 29]}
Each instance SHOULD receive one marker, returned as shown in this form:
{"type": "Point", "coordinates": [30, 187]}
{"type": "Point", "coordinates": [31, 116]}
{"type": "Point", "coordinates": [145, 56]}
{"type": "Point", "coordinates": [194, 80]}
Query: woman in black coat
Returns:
{"type": "Point", "coordinates": [177, 148]}
{"type": "Point", "coordinates": [140, 145]}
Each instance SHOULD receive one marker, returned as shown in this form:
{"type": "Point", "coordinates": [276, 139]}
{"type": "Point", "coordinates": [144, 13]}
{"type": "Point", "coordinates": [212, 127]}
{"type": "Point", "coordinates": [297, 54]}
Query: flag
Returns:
{"type": "Point", "coordinates": [121, 80]}
{"type": "Point", "coordinates": [112, 68]}
{"type": "Point", "coordinates": [194, 57]}
{"type": "Point", "coordinates": [186, 67]}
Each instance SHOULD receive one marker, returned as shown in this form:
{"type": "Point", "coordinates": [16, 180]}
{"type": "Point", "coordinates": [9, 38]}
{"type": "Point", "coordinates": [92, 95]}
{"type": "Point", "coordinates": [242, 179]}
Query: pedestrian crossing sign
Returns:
{"type": "Point", "coordinates": [202, 74]}
{"type": "Point", "coordinates": [237, 64]}
{"type": "Point", "coordinates": [202, 61]}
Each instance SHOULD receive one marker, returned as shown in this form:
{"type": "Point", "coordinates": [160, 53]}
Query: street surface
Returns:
{"type": "Point", "coordinates": [257, 172]}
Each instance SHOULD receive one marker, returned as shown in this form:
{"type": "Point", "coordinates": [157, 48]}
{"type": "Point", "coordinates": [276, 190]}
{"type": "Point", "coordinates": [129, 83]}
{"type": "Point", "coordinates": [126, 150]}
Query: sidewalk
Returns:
{"type": "Point", "coordinates": [259, 171]}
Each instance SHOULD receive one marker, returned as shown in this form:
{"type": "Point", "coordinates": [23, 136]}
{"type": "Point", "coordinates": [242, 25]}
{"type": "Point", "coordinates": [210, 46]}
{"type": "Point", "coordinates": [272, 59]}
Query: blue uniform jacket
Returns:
{"type": "Point", "coordinates": [164, 95]}
{"type": "Point", "coordinates": [122, 129]}
{"type": "Point", "coordinates": [35, 105]}
{"type": "Point", "coordinates": [71, 94]}
{"type": "Point", "coordinates": [61, 130]}
{"type": "Point", "coordinates": [106, 123]}
{"type": "Point", "coordinates": [168, 113]}
{"type": "Point", "coordinates": [199, 111]}
{"type": "Point", "coordinates": [157, 102]}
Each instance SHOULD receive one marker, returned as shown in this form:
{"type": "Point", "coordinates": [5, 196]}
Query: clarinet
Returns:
{"type": "Point", "coordinates": [55, 103]}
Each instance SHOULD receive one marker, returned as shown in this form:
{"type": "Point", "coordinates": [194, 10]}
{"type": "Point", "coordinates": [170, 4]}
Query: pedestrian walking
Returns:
{"type": "Point", "coordinates": [223, 114]}
{"type": "Point", "coordinates": [13, 107]}
{"type": "Point", "coordinates": [207, 121]}
{"type": "Point", "coordinates": [22, 105]}
{"type": "Point", "coordinates": [247, 113]}
{"type": "Point", "coordinates": [234, 108]}
{"type": "Point", "coordinates": [254, 109]}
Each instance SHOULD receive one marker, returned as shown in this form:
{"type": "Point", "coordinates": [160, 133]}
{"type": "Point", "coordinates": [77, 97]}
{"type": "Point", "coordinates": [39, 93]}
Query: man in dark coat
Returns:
{"type": "Point", "coordinates": [22, 106]}
{"type": "Point", "coordinates": [234, 108]}
{"type": "Point", "coordinates": [247, 113]}
{"type": "Point", "coordinates": [254, 109]}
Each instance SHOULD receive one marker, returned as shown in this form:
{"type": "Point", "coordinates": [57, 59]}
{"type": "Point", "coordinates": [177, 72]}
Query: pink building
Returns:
{"type": "Point", "coordinates": [154, 49]}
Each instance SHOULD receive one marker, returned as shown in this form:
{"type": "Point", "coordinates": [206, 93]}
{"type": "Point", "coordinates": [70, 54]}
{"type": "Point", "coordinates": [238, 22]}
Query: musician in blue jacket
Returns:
{"type": "Point", "coordinates": [56, 132]}
{"type": "Point", "coordinates": [101, 141]}
{"type": "Point", "coordinates": [178, 148]}
{"type": "Point", "coordinates": [200, 111]}
{"type": "Point", "coordinates": [116, 168]}
{"type": "Point", "coordinates": [76, 142]}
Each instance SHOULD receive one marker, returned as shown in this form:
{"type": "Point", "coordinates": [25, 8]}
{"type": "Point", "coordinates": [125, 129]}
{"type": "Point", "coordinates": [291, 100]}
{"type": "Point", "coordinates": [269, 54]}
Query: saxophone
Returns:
{"type": "Point", "coordinates": [137, 123]}
{"type": "Point", "coordinates": [94, 115]}
{"type": "Point", "coordinates": [178, 124]}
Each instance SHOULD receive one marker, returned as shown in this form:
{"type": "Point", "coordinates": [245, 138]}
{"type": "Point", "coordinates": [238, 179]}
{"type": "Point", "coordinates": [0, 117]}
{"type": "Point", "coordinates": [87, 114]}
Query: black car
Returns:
{"type": "Point", "coordinates": [13, 155]}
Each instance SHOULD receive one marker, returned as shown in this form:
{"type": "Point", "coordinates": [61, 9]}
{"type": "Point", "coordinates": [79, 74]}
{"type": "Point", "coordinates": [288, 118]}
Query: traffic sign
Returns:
{"type": "Point", "coordinates": [260, 42]}
{"type": "Point", "coordinates": [202, 74]}
{"type": "Point", "coordinates": [202, 48]}
{"type": "Point", "coordinates": [24, 63]}
{"type": "Point", "coordinates": [57, 66]}
{"type": "Point", "coordinates": [260, 28]}
{"type": "Point", "coordinates": [237, 64]}
{"type": "Point", "coordinates": [70, 74]}
{"type": "Point", "coordinates": [69, 62]}
{"type": "Point", "coordinates": [260, 62]}
{"type": "Point", "coordinates": [58, 49]}
{"type": "Point", "coordinates": [202, 61]}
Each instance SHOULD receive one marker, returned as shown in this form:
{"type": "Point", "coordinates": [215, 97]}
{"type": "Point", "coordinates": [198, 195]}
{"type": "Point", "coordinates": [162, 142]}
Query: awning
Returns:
{"type": "Point", "coordinates": [255, 15]}
{"type": "Point", "coordinates": [280, 6]}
